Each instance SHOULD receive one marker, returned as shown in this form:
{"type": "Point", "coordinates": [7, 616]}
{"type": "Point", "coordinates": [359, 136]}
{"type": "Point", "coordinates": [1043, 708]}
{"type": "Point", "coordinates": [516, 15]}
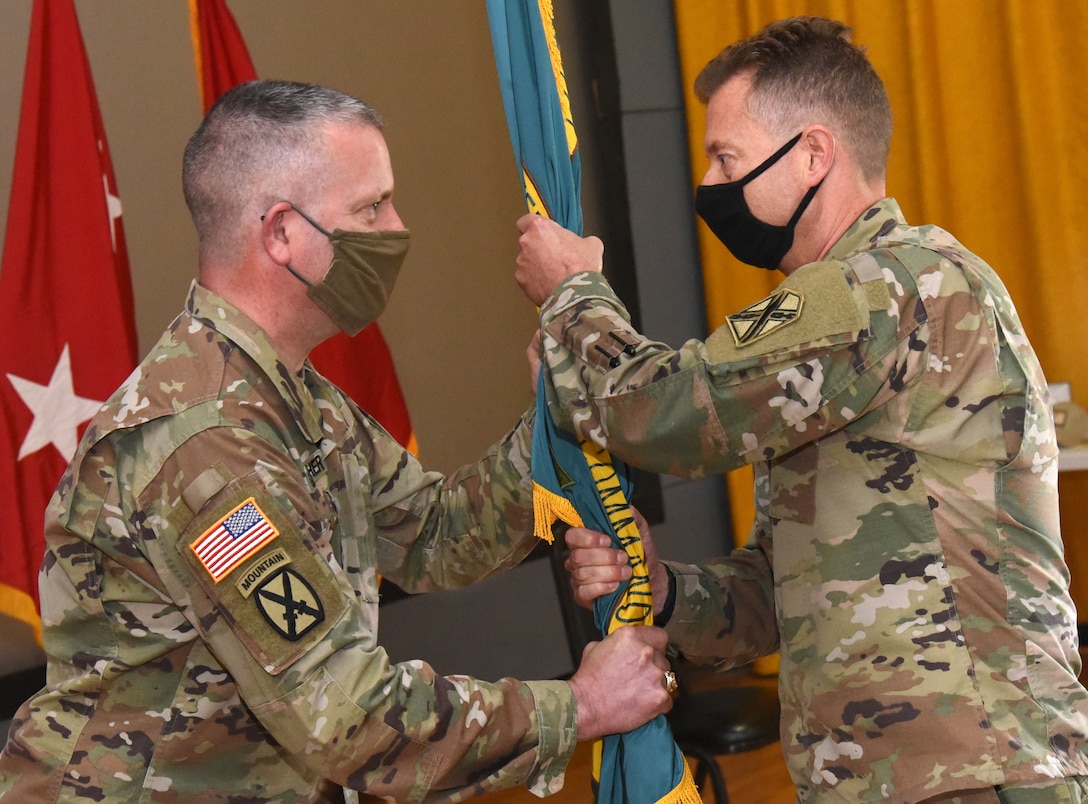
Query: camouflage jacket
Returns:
{"type": "Point", "coordinates": [906, 555]}
{"type": "Point", "coordinates": [210, 597]}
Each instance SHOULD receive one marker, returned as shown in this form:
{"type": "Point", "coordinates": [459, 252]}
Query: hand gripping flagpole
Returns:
{"type": "Point", "coordinates": [576, 481]}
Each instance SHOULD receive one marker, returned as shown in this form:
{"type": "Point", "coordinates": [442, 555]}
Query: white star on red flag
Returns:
{"type": "Point", "coordinates": [58, 411]}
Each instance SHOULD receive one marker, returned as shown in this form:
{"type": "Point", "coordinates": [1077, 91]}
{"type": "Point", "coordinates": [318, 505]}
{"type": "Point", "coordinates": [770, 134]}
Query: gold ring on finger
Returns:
{"type": "Point", "coordinates": [671, 685]}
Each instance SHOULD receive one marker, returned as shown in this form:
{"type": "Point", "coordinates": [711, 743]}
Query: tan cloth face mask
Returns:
{"type": "Point", "coordinates": [361, 276]}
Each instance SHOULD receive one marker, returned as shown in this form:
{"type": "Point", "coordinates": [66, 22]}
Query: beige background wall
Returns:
{"type": "Point", "coordinates": [457, 324]}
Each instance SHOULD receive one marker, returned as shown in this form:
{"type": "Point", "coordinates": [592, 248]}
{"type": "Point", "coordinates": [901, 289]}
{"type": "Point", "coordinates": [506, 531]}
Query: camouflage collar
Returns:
{"type": "Point", "coordinates": [217, 313]}
{"type": "Point", "coordinates": [866, 233]}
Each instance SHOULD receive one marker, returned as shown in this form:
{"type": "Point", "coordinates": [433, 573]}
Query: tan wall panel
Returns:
{"type": "Point", "coordinates": [457, 324]}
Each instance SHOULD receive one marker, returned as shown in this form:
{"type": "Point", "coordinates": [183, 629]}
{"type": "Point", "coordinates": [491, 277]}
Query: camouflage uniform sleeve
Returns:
{"type": "Point", "coordinates": [724, 612]}
{"type": "Point", "coordinates": [446, 532]}
{"type": "Point", "coordinates": [299, 639]}
{"type": "Point", "coordinates": [819, 352]}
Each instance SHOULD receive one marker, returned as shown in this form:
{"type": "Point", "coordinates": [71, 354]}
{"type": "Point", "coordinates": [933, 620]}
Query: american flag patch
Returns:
{"type": "Point", "coordinates": [233, 539]}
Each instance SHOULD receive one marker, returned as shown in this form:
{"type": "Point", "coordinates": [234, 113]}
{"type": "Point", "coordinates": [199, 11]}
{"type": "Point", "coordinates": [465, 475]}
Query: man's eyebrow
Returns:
{"type": "Point", "coordinates": [710, 146]}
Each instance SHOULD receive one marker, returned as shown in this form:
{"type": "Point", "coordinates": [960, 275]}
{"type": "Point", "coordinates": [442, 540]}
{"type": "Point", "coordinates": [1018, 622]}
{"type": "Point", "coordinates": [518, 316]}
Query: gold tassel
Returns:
{"type": "Point", "coordinates": [684, 793]}
{"type": "Point", "coordinates": [549, 507]}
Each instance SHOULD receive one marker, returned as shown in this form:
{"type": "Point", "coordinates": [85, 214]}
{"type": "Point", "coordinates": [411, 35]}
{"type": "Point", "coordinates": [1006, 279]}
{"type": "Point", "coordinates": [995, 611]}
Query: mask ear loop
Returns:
{"type": "Point", "coordinates": [797, 213]}
{"type": "Point", "coordinates": [298, 276]}
{"type": "Point", "coordinates": [758, 171]}
{"type": "Point", "coordinates": [314, 224]}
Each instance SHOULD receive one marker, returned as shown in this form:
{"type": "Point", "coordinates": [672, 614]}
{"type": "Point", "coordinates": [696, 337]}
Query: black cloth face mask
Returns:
{"type": "Point", "coordinates": [753, 242]}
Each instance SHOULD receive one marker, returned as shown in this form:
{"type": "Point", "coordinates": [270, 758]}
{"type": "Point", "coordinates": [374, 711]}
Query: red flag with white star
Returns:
{"type": "Point", "coordinates": [361, 366]}
{"type": "Point", "coordinates": [67, 331]}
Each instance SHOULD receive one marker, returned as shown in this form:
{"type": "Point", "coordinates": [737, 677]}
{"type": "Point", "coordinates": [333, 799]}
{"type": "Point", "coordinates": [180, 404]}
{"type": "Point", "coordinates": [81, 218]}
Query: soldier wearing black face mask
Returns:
{"type": "Point", "coordinates": [906, 556]}
{"type": "Point", "coordinates": [749, 239]}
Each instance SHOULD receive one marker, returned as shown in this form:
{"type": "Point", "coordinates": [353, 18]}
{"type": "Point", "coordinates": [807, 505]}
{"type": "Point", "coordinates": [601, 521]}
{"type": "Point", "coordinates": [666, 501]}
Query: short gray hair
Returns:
{"type": "Point", "coordinates": [260, 143]}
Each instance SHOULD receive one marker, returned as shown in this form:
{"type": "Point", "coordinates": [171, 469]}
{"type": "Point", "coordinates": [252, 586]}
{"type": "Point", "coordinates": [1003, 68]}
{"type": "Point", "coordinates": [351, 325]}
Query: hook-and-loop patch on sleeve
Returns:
{"type": "Point", "coordinates": [247, 551]}
{"type": "Point", "coordinates": [814, 304]}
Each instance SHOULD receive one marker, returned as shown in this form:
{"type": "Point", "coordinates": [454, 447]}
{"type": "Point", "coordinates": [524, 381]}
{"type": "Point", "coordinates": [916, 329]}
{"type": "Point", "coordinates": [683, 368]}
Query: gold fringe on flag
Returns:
{"type": "Point", "coordinates": [548, 508]}
{"type": "Point", "coordinates": [547, 17]}
{"type": "Point", "coordinates": [685, 791]}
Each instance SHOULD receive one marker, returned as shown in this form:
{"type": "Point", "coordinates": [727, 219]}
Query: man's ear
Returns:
{"type": "Point", "coordinates": [274, 234]}
{"type": "Point", "coordinates": [819, 145]}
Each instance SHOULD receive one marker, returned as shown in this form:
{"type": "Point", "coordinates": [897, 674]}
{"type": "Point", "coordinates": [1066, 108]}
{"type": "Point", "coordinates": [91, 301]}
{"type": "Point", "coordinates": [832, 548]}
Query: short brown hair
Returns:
{"type": "Point", "coordinates": [806, 70]}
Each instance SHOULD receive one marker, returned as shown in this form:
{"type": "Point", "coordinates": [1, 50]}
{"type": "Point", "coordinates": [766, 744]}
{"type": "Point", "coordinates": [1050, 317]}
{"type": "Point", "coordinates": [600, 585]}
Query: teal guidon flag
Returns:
{"type": "Point", "coordinates": [576, 481]}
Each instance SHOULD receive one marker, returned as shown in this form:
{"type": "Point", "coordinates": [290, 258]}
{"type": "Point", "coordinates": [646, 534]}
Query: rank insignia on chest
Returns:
{"type": "Point", "coordinates": [765, 316]}
{"type": "Point", "coordinates": [233, 539]}
{"type": "Point", "coordinates": [289, 604]}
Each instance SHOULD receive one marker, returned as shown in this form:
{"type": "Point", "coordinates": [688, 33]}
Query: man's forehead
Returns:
{"type": "Point", "coordinates": [729, 123]}
{"type": "Point", "coordinates": [354, 133]}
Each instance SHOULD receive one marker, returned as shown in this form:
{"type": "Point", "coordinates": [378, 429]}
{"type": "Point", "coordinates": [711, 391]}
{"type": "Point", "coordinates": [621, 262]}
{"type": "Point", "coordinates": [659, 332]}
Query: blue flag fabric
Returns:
{"type": "Point", "coordinates": [537, 108]}
{"type": "Point", "coordinates": [577, 481]}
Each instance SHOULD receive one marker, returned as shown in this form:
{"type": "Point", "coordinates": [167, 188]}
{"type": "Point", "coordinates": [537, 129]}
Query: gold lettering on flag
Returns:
{"type": "Point", "coordinates": [534, 199]}
{"type": "Point", "coordinates": [635, 606]}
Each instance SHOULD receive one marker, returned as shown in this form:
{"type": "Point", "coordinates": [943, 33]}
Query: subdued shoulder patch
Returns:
{"type": "Point", "coordinates": [280, 597]}
{"type": "Point", "coordinates": [248, 579]}
{"type": "Point", "coordinates": [289, 604]}
{"type": "Point", "coordinates": [815, 304]}
{"type": "Point", "coordinates": [768, 315]}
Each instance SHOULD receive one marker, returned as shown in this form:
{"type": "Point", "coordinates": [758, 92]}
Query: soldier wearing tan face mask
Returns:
{"type": "Point", "coordinates": [210, 588]}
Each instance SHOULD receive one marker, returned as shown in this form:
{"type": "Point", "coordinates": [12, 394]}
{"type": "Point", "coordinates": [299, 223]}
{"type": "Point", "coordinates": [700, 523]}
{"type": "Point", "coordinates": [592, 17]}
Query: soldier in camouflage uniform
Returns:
{"type": "Point", "coordinates": [906, 555]}
{"type": "Point", "coordinates": [210, 585]}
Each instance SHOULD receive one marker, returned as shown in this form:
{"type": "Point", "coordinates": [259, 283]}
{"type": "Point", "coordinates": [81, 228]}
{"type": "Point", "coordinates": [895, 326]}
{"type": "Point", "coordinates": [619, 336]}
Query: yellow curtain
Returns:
{"type": "Point", "coordinates": [990, 143]}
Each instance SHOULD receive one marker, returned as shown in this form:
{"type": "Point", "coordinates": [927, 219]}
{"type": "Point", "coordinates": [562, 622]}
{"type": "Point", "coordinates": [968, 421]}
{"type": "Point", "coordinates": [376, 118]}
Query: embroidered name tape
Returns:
{"type": "Point", "coordinates": [233, 539]}
{"type": "Point", "coordinates": [315, 467]}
